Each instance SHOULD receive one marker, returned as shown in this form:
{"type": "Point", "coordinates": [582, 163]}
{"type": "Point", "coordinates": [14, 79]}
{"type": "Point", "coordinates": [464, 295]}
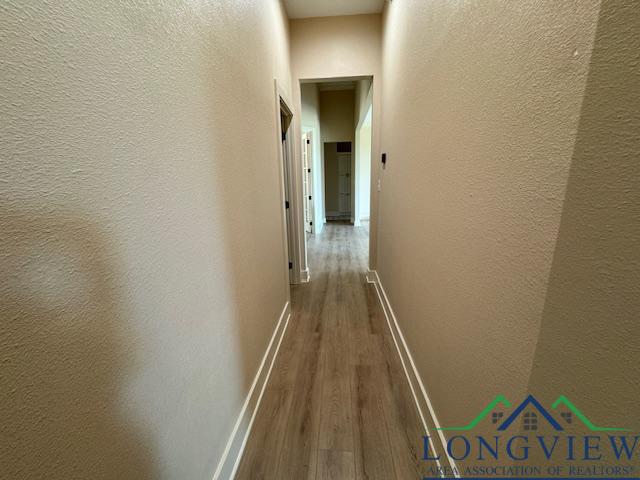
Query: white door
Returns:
{"type": "Point", "coordinates": [344, 183]}
{"type": "Point", "coordinates": [306, 182]}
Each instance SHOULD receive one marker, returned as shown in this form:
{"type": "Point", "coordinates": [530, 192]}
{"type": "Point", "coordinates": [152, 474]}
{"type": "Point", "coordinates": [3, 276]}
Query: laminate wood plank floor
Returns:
{"type": "Point", "coordinates": [338, 404]}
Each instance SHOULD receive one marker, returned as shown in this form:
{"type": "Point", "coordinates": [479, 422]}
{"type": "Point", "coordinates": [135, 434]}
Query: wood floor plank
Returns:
{"type": "Point", "coordinates": [265, 442]}
{"type": "Point", "coordinates": [372, 450]}
{"type": "Point", "coordinates": [335, 465]}
{"type": "Point", "coordinates": [336, 430]}
{"type": "Point", "coordinates": [298, 458]}
{"type": "Point", "coordinates": [337, 404]}
{"type": "Point", "coordinates": [404, 425]}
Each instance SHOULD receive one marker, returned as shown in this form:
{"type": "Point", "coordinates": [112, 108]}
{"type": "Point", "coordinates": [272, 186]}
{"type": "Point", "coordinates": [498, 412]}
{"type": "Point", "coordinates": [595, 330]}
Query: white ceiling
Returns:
{"type": "Point", "coordinates": [331, 8]}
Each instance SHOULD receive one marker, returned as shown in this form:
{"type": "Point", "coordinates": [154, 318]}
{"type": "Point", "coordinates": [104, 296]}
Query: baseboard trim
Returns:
{"type": "Point", "coordinates": [413, 377]}
{"type": "Point", "coordinates": [305, 276]}
{"type": "Point", "coordinates": [228, 465]}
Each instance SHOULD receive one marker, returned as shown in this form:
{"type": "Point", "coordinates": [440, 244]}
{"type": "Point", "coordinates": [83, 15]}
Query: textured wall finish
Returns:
{"type": "Point", "coordinates": [337, 113]}
{"type": "Point", "coordinates": [589, 341]}
{"type": "Point", "coordinates": [138, 167]}
{"type": "Point", "coordinates": [508, 216]}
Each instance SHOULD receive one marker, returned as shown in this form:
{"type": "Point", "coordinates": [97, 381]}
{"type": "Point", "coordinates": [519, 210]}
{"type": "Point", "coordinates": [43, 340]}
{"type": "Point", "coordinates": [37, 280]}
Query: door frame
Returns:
{"type": "Point", "coordinates": [307, 143]}
{"type": "Point", "coordinates": [349, 182]}
{"type": "Point", "coordinates": [292, 221]}
{"type": "Point", "coordinates": [358, 159]}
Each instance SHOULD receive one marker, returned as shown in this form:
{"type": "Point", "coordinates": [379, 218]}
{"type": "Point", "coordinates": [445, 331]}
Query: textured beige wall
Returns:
{"type": "Point", "coordinates": [588, 342]}
{"type": "Point", "coordinates": [508, 216]}
{"type": "Point", "coordinates": [327, 47]}
{"type": "Point", "coordinates": [337, 113]}
{"type": "Point", "coordinates": [340, 47]}
{"type": "Point", "coordinates": [138, 167]}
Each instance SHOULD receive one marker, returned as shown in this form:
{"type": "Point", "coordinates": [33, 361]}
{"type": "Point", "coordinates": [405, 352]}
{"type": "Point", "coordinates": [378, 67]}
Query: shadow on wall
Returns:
{"type": "Point", "coordinates": [64, 352]}
{"type": "Point", "coordinates": [589, 342]}
{"type": "Point", "coordinates": [134, 319]}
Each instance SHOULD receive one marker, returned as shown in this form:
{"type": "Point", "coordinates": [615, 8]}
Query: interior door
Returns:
{"type": "Point", "coordinates": [344, 183]}
{"type": "Point", "coordinates": [285, 122]}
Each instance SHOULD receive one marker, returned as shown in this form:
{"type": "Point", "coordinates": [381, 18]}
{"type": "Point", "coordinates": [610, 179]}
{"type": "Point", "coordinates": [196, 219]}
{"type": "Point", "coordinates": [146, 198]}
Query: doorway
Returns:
{"type": "Point", "coordinates": [344, 183]}
{"type": "Point", "coordinates": [295, 252]}
{"type": "Point", "coordinates": [336, 155]}
{"type": "Point", "coordinates": [338, 181]}
{"type": "Point", "coordinates": [285, 123]}
{"type": "Point", "coordinates": [307, 181]}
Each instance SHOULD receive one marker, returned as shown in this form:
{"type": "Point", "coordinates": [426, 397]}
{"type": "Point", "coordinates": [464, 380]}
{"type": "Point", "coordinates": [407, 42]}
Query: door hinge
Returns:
{"type": "Point", "coordinates": [286, 204]}
{"type": "Point", "coordinates": [308, 141]}
{"type": "Point", "coordinates": [290, 265]}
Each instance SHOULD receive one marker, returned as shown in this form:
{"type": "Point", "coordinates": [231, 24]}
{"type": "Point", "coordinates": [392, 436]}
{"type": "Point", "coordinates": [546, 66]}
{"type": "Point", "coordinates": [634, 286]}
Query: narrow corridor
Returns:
{"type": "Point", "coordinates": [337, 404]}
{"type": "Point", "coordinates": [174, 305]}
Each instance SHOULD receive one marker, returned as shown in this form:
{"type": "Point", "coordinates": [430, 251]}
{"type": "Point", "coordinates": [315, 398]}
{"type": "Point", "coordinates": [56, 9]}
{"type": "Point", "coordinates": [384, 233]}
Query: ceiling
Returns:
{"type": "Point", "coordinates": [331, 8]}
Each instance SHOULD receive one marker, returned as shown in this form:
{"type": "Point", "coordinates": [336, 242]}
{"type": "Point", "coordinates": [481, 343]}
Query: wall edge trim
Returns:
{"type": "Point", "coordinates": [230, 460]}
{"type": "Point", "coordinates": [406, 357]}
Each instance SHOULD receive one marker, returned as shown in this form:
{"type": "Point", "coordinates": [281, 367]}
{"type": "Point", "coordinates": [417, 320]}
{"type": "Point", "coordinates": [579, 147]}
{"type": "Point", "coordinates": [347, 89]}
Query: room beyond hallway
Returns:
{"type": "Point", "coordinates": [337, 404]}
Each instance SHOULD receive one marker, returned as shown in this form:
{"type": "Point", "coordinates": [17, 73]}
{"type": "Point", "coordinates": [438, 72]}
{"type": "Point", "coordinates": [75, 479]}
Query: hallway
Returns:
{"type": "Point", "coordinates": [337, 404]}
{"type": "Point", "coordinates": [175, 306]}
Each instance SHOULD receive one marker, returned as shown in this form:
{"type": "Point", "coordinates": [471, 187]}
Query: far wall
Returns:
{"type": "Point", "coordinates": [337, 113]}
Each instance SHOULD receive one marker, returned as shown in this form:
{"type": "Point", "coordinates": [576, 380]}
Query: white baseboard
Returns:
{"type": "Point", "coordinates": [304, 275]}
{"type": "Point", "coordinates": [230, 460]}
{"type": "Point", "coordinates": [410, 370]}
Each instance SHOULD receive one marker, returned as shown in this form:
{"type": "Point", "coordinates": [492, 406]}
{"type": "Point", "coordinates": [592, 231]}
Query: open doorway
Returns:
{"type": "Point", "coordinates": [338, 178]}
{"type": "Point", "coordinates": [295, 251]}
{"type": "Point", "coordinates": [336, 121]}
